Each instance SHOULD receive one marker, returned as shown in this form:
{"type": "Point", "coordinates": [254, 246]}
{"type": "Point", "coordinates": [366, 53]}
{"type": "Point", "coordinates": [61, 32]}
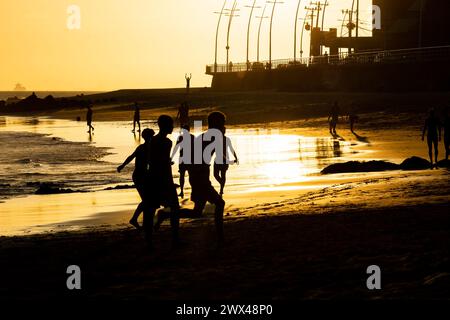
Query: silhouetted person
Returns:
{"type": "Point", "coordinates": [183, 165]}
{"type": "Point", "coordinates": [447, 134]}
{"type": "Point", "coordinates": [160, 189]}
{"type": "Point", "coordinates": [136, 118]}
{"type": "Point", "coordinates": [352, 118]}
{"type": "Point", "coordinates": [333, 118]}
{"type": "Point", "coordinates": [89, 119]}
{"type": "Point", "coordinates": [183, 114]}
{"type": "Point", "coordinates": [433, 129]}
{"type": "Point", "coordinates": [199, 175]}
{"type": "Point", "coordinates": [188, 81]}
{"type": "Point", "coordinates": [221, 165]}
{"type": "Point", "coordinates": [140, 173]}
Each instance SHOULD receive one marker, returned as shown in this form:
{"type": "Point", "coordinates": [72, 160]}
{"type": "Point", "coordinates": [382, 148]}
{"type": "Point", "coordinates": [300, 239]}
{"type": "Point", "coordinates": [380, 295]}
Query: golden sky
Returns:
{"type": "Point", "coordinates": [132, 43]}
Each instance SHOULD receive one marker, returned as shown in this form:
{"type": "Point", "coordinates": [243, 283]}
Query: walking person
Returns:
{"type": "Point", "coordinates": [89, 115]}
{"type": "Point", "coordinates": [433, 130]}
{"type": "Point", "coordinates": [199, 173]}
{"type": "Point", "coordinates": [221, 166]}
{"type": "Point", "coordinates": [136, 118]}
{"type": "Point", "coordinates": [184, 141]}
{"type": "Point", "coordinates": [333, 118]}
{"type": "Point", "coordinates": [160, 189]}
{"type": "Point", "coordinates": [141, 171]}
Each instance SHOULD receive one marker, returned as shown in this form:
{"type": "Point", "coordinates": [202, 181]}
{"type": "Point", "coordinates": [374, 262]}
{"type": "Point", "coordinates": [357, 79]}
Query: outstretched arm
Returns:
{"type": "Point", "coordinates": [230, 146]}
{"type": "Point", "coordinates": [127, 161]}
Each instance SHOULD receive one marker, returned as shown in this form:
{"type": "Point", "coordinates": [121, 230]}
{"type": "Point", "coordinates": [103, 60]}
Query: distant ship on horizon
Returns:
{"type": "Point", "coordinates": [19, 87]}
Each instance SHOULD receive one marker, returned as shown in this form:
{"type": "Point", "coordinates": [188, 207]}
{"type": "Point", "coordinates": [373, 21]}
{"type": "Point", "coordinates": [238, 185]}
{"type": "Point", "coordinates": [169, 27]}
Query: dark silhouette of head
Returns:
{"type": "Point", "coordinates": [186, 127]}
{"type": "Point", "coordinates": [165, 124]}
{"type": "Point", "coordinates": [432, 112]}
{"type": "Point", "coordinates": [147, 134]}
{"type": "Point", "coordinates": [216, 120]}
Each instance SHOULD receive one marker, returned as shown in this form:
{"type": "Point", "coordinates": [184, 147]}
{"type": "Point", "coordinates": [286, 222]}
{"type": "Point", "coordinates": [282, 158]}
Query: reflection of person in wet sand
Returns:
{"type": "Point", "coordinates": [433, 130]}
{"type": "Point", "coordinates": [221, 165]}
{"type": "Point", "coordinates": [160, 189]}
{"type": "Point", "coordinates": [202, 189]}
{"type": "Point", "coordinates": [184, 164]}
{"type": "Point", "coordinates": [140, 171]}
{"type": "Point", "coordinates": [333, 118]}
{"type": "Point", "coordinates": [89, 119]}
{"type": "Point", "coordinates": [136, 118]}
{"type": "Point", "coordinates": [447, 134]}
{"type": "Point", "coordinates": [183, 114]}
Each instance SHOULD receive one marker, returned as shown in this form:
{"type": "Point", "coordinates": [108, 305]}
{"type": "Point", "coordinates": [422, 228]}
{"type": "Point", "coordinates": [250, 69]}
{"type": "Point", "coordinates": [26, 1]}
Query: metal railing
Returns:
{"type": "Point", "coordinates": [373, 57]}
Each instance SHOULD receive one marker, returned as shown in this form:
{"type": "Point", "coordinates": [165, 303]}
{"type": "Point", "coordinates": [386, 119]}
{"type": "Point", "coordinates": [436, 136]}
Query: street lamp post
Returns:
{"type": "Point", "coordinates": [303, 29]}
{"type": "Point", "coordinates": [217, 33]}
{"type": "Point", "coordinates": [275, 2]}
{"type": "Point", "coordinates": [248, 31]}
{"type": "Point", "coordinates": [259, 30]}
{"type": "Point", "coordinates": [295, 30]}
{"type": "Point", "coordinates": [231, 15]}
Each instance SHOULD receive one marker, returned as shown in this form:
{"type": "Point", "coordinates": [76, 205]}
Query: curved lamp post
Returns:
{"type": "Point", "coordinates": [248, 30]}
{"type": "Point", "coordinates": [295, 30]}
{"type": "Point", "coordinates": [275, 2]}
{"type": "Point", "coordinates": [259, 30]}
{"type": "Point", "coordinates": [231, 15]}
{"type": "Point", "coordinates": [217, 33]}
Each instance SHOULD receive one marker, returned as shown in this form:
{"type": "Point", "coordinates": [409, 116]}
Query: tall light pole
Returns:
{"type": "Point", "coordinates": [248, 31]}
{"type": "Point", "coordinates": [275, 2]}
{"type": "Point", "coordinates": [217, 33]}
{"type": "Point", "coordinates": [259, 30]}
{"type": "Point", "coordinates": [303, 29]}
{"type": "Point", "coordinates": [323, 19]}
{"type": "Point", "coordinates": [231, 15]}
{"type": "Point", "coordinates": [295, 30]}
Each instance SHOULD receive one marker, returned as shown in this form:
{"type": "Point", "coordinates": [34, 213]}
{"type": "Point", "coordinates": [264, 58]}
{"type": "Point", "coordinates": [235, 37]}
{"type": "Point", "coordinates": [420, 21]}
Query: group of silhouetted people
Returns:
{"type": "Point", "coordinates": [333, 118]}
{"type": "Point", "coordinates": [153, 178]}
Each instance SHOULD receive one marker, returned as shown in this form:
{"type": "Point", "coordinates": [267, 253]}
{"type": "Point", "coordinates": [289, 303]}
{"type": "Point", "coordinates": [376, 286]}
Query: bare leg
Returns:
{"type": "Point", "coordinates": [182, 179]}
{"type": "Point", "coordinates": [223, 181]}
{"type": "Point", "coordinates": [430, 152]}
{"type": "Point", "coordinates": [436, 151]}
{"type": "Point", "coordinates": [134, 219]}
{"type": "Point", "coordinates": [149, 213]}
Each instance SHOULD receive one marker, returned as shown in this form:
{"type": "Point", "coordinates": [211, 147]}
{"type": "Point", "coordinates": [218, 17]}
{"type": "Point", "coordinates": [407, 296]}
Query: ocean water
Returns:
{"type": "Point", "coordinates": [41, 150]}
{"type": "Point", "coordinates": [29, 159]}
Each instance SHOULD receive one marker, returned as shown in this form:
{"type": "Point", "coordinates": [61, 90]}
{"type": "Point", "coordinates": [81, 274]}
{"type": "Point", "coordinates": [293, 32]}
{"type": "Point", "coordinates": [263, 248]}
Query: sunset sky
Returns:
{"type": "Point", "coordinates": [133, 43]}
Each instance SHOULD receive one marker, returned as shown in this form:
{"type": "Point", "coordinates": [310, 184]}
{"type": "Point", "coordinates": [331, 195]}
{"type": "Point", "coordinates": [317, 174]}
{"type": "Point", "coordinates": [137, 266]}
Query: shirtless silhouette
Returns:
{"type": "Point", "coordinates": [433, 129]}
{"type": "Point", "coordinates": [140, 173]}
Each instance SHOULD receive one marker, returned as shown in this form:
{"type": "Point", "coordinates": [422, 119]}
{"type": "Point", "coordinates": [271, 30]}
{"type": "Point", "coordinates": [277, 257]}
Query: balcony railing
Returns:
{"type": "Point", "coordinates": [373, 57]}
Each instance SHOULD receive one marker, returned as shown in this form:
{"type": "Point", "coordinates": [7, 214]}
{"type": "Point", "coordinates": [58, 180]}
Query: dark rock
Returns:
{"type": "Point", "coordinates": [356, 166]}
{"type": "Point", "coordinates": [120, 187]}
{"type": "Point", "coordinates": [415, 163]}
{"type": "Point", "coordinates": [444, 164]}
{"type": "Point", "coordinates": [48, 188]}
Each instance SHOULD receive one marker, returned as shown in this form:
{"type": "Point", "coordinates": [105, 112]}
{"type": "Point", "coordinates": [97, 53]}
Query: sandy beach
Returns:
{"type": "Point", "coordinates": [299, 235]}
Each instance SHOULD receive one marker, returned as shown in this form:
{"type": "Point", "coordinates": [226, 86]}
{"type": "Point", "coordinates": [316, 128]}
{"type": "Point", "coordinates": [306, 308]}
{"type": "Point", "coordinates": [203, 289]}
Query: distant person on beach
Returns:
{"type": "Point", "coordinates": [184, 164]}
{"type": "Point", "coordinates": [183, 114]}
{"type": "Point", "coordinates": [160, 189]}
{"type": "Point", "coordinates": [136, 118]}
{"type": "Point", "coordinates": [447, 134]}
{"type": "Point", "coordinates": [352, 117]}
{"type": "Point", "coordinates": [199, 175]}
{"type": "Point", "coordinates": [221, 165]}
{"type": "Point", "coordinates": [188, 81]}
{"type": "Point", "coordinates": [333, 118]}
{"type": "Point", "coordinates": [140, 173]}
{"type": "Point", "coordinates": [89, 119]}
{"type": "Point", "coordinates": [433, 129]}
